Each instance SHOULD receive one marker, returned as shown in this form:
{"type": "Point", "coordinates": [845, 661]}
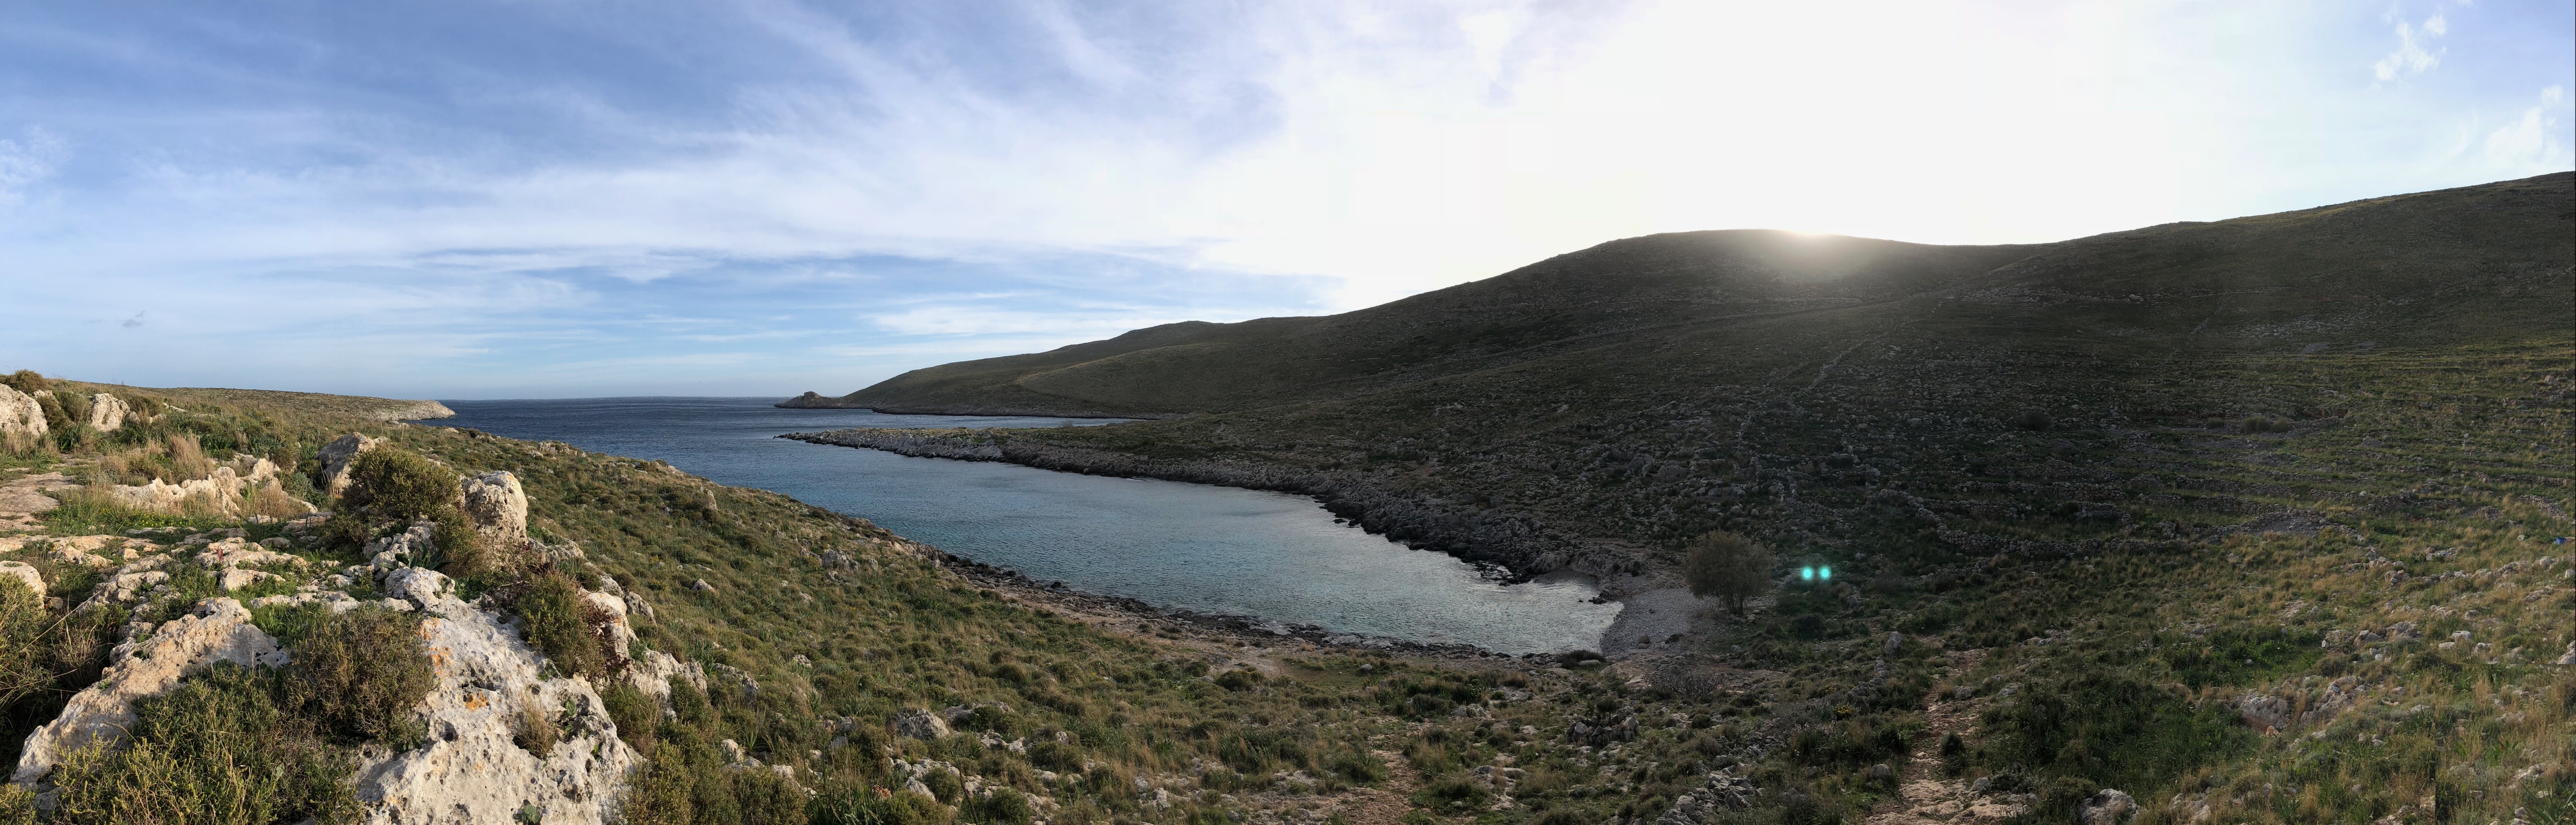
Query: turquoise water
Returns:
{"type": "Point", "coordinates": [1210, 549]}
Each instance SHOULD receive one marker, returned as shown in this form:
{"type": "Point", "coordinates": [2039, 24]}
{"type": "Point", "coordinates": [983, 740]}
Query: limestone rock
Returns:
{"type": "Point", "coordinates": [2264, 712]}
{"type": "Point", "coordinates": [2110, 807]}
{"type": "Point", "coordinates": [1722, 791]}
{"type": "Point", "coordinates": [471, 772]}
{"type": "Point", "coordinates": [499, 508]}
{"type": "Point", "coordinates": [651, 671]}
{"type": "Point", "coordinates": [915, 723]}
{"type": "Point", "coordinates": [25, 573]}
{"type": "Point", "coordinates": [19, 413]}
{"type": "Point", "coordinates": [401, 549]}
{"type": "Point", "coordinates": [218, 630]}
{"type": "Point", "coordinates": [620, 633]}
{"type": "Point", "coordinates": [338, 455]}
{"type": "Point", "coordinates": [222, 491]}
{"type": "Point", "coordinates": [107, 412]}
{"type": "Point", "coordinates": [701, 585]}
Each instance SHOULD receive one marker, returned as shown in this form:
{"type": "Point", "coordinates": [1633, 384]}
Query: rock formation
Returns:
{"type": "Point", "coordinates": [107, 412]}
{"type": "Point", "coordinates": [338, 455]}
{"type": "Point", "coordinates": [218, 630]}
{"type": "Point", "coordinates": [25, 573]}
{"type": "Point", "coordinates": [221, 491]}
{"type": "Point", "coordinates": [499, 508]}
{"type": "Point", "coordinates": [20, 413]}
{"type": "Point", "coordinates": [472, 771]}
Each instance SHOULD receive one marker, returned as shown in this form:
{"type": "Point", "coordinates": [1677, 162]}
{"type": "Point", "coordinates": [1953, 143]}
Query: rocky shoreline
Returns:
{"type": "Point", "coordinates": [812, 400]}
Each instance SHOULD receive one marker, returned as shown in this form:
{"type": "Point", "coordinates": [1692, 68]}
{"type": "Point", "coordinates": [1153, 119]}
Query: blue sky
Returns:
{"type": "Point", "coordinates": [520, 199]}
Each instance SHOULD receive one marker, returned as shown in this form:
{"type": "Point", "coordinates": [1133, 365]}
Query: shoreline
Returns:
{"type": "Point", "coordinates": [1655, 614]}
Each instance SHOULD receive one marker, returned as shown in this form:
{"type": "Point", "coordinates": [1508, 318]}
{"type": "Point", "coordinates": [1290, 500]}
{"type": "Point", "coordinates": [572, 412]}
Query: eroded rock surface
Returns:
{"type": "Point", "coordinates": [471, 771]}
{"type": "Point", "coordinates": [221, 491]}
{"type": "Point", "coordinates": [107, 412]}
{"type": "Point", "coordinates": [19, 413]}
{"type": "Point", "coordinates": [217, 630]}
{"type": "Point", "coordinates": [338, 455]}
{"type": "Point", "coordinates": [499, 508]}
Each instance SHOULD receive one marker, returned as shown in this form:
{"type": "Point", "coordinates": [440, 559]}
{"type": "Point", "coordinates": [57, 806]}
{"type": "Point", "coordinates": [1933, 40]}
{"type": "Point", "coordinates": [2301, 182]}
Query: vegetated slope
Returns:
{"type": "Point", "coordinates": [358, 406]}
{"type": "Point", "coordinates": [816, 645]}
{"type": "Point", "coordinates": [1621, 288]}
{"type": "Point", "coordinates": [2313, 444]}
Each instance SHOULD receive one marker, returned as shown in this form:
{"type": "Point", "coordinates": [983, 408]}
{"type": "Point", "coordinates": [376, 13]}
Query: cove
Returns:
{"type": "Point", "coordinates": [1196, 547]}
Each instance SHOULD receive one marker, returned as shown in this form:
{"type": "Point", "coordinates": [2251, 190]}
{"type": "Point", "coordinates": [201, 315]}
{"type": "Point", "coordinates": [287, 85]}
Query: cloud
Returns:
{"type": "Point", "coordinates": [2533, 141]}
{"type": "Point", "coordinates": [27, 160]}
{"type": "Point", "coordinates": [2410, 58]}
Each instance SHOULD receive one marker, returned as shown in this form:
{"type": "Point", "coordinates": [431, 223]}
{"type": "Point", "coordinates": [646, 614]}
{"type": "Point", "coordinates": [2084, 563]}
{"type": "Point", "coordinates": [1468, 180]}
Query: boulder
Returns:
{"type": "Point", "coordinates": [338, 455]}
{"type": "Point", "coordinates": [915, 723]}
{"type": "Point", "coordinates": [217, 630]}
{"type": "Point", "coordinates": [2110, 807]}
{"type": "Point", "coordinates": [222, 490]}
{"type": "Point", "coordinates": [471, 771]}
{"type": "Point", "coordinates": [498, 507]}
{"type": "Point", "coordinates": [107, 412]}
{"type": "Point", "coordinates": [24, 572]}
{"type": "Point", "coordinates": [2264, 712]}
{"type": "Point", "coordinates": [620, 633]}
{"type": "Point", "coordinates": [19, 413]}
{"type": "Point", "coordinates": [402, 549]}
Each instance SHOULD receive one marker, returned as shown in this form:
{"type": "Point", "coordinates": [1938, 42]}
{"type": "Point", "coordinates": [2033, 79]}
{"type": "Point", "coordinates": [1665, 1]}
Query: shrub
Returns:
{"type": "Point", "coordinates": [359, 674]}
{"type": "Point", "coordinates": [23, 647]}
{"type": "Point", "coordinates": [1729, 567]}
{"type": "Point", "coordinates": [1357, 765]}
{"type": "Point", "coordinates": [1238, 680]}
{"type": "Point", "coordinates": [945, 785]}
{"type": "Point", "coordinates": [534, 730]}
{"type": "Point", "coordinates": [558, 623]}
{"type": "Point", "coordinates": [1002, 807]}
{"type": "Point", "coordinates": [17, 805]}
{"type": "Point", "coordinates": [216, 750]}
{"type": "Point", "coordinates": [2034, 420]}
{"type": "Point", "coordinates": [400, 484]}
{"type": "Point", "coordinates": [26, 381]}
{"type": "Point", "coordinates": [862, 805]}
{"type": "Point", "coordinates": [635, 713]}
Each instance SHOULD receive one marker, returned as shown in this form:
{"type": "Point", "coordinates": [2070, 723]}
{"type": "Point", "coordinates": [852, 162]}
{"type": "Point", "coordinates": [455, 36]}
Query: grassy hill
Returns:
{"type": "Point", "coordinates": [2175, 473]}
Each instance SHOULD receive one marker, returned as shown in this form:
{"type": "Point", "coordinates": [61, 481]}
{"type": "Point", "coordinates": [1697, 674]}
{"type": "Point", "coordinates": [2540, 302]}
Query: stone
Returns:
{"type": "Point", "coordinates": [223, 490]}
{"type": "Point", "coordinates": [470, 771]}
{"type": "Point", "coordinates": [915, 723]}
{"type": "Point", "coordinates": [498, 507]}
{"type": "Point", "coordinates": [107, 412]}
{"type": "Point", "coordinates": [701, 585]}
{"type": "Point", "coordinates": [2264, 712]}
{"type": "Point", "coordinates": [401, 549]}
{"type": "Point", "coordinates": [20, 413]}
{"type": "Point", "coordinates": [620, 633]}
{"type": "Point", "coordinates": [24, 572]}
{"type": "Point", "coordinates": [2109, 807]}
{"type": "Point", "coordinates": [217, 630]}
{"type": "Point", "coordinates": [732, 750]}
{"type": "Point", "coordinates": [338, 455]}
{"type": "Point", "coordinates": [235, 578]}
{"type": "Point", "coordinates": [1894, 640]}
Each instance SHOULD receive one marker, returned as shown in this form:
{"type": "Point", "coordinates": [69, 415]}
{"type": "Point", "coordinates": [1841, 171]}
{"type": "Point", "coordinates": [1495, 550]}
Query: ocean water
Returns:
{"type": "Point", "coordinates": [1198, 547]}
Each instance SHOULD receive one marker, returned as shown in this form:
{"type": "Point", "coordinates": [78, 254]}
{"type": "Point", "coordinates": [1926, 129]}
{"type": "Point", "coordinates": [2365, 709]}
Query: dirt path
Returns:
{"type": "Point", "coordinates": [1925, 798]}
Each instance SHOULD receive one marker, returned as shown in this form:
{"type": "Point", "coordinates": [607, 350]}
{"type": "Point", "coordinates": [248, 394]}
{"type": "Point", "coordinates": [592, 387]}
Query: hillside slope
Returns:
{"type": "Point", "coordinates": [2214, 477]}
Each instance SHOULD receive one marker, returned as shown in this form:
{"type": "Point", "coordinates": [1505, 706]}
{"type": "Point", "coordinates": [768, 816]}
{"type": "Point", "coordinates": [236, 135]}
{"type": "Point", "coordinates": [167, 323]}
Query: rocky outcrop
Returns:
{"type": "Point", "coordinates": [915, 723]}
{"type": "Point", "coordinates": [337, 457]}
{"type": "Point", "coordinates": [499, 508]}
{"type": "Point", "coordinates": [107, 412]}
{"type": "Point", "coordinates": [2109, 807]}
{"type": "Point", "coordinates": [20, 413]}
{"type": "Point", "coordinates": [1723, 791]}
{"type": "Point", "coordinates": [471, 771]}
{"type": "Point", "coordinates": [217, 630]}
{"type": "Point", "coordinates": [26, 573]}
{"type": "Point", "coordinates": [221, 491]}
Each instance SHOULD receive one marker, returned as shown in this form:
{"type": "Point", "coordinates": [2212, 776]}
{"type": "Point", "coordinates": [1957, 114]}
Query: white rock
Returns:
{"type": "Point", "coordinates": [338, 455]}
{"type": "Point", "coordinates": [915, 723]}
{"type": "Point", "coordinates": [499, 508]}
{"type": "Point", "coordinates": [20, 413]}
{"type": "Point", "coordinates": [400, 549]}
{"type": "Point", "coordinates": [2110, 807]}
{"type": "Point", "coordinates": [222, 490]}
{"type": "Point", "coordinates": [218, 630]}
{"type": "Point", "coordinates": [107, 412]}
{"type": "Point", "coordinates": [419, 586]}
{"type": "Point", "coordinates": [471, 772]}
{"type": "Point", "coordinates": [25, 573]}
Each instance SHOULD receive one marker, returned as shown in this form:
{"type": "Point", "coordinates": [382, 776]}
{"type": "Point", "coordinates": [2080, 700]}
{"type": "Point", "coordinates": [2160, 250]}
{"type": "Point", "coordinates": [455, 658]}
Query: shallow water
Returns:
{"type": "Point", "coordinates": [1198, 547]}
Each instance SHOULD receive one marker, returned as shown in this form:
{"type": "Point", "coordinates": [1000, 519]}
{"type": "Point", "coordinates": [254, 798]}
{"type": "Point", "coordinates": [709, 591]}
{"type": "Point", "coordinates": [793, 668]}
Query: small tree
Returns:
{"type": "Point", "coordinates": [1728, 566]}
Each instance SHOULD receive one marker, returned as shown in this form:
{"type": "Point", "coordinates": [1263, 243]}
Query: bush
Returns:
{"type": "Point", "coordinates": [534, 730]}
{"type": "Point", "coordinates": [26, 381]}
{"type": "Point", "coordinates": [24, 653]}
{"type": "Point", "coordinates": [399, 484]}
{"type": "Point", "coordinates": [1728, 566]}
{"type": "Point", "coordinates": [1002, 807]}
{"type": "Point", "coordinates": [216, 750]}
{"type": "Point", "coordinates": [359, 674]}
{"type": "Point", "coordinates": [862, 805]}
{"type": "Point", "coordinates": [557, 622]}
{"type": "Point", "coordinates": [2034, 420]}
{"type": "Point", "coordinates": [636, 714]}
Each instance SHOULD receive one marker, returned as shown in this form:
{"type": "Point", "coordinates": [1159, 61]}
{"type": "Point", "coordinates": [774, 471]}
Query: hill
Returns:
{"type": "Point", "coordinates": [2096, 471]}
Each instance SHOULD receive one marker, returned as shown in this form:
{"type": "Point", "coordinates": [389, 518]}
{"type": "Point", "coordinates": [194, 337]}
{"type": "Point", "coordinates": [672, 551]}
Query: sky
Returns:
{"type": "Point", "coordinates": [559, 198]}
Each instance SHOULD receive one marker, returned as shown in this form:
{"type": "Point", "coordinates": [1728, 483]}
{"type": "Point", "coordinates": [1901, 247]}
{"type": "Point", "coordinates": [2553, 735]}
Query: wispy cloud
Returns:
{"type": "Point", "coordinates": [2410, 57]}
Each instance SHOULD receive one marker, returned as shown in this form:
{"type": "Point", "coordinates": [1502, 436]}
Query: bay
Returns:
{"type": "Point", "coordinates": [1211, 549]}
